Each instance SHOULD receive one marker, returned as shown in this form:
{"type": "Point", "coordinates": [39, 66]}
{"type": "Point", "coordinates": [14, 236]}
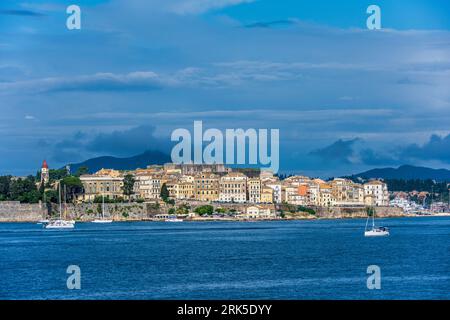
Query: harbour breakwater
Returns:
{"type": "Point", "coordinates": [13, 211]}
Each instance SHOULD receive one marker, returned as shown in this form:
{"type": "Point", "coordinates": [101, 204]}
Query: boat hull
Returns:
{"type": "Point", "coordinates": [102, 221]}
{"type": "Point", "coordinates": [376, 233]}
{"type": "Point", "coordinates": [59, 224]}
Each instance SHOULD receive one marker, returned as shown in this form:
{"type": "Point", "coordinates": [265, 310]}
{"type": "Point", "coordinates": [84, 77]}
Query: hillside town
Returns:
{"type": "Point", "coordinates": [214, 190]}
{"type": "Point", "coordinates": [217, 183]}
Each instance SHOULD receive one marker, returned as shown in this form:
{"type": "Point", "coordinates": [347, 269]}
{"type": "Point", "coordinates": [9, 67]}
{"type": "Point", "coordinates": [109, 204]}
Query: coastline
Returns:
{"type": "Point", "coordinates": [206, 219]}
{"type": "Point", "coordinates": [128, 212]}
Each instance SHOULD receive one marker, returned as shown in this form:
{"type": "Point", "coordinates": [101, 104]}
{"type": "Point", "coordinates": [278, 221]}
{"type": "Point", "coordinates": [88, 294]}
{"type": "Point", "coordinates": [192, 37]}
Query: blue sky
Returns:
{"type": "Point", "coordinates": [345, 98]}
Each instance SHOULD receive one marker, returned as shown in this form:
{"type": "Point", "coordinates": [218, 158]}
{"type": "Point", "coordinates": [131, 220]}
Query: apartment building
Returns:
{"type": "Point", "coordinates": [106, 182]}
{"type": "Point", "coordinates": [313, 193]}
{"type": "Point", "coordinates": [206, 186]}
{"type": "Point", "coordinates": [377, 191]}
{"type": "Point", "coordinates": [254, 190]}
{"type": "Point", "coordinates": [326, 198]}
{"type": "Point", "coordinates": [233, 187]}
{"type": "Point", "coordinates": [347, 193]}
{"type": "Point", "coordinates": [180, 189]}
{"type": "Point", "coordinates": [276, 191]}
{"type": "Point", "coordinates": [266, 194]}
{"type": "Point", "coordinates": [147, 185]}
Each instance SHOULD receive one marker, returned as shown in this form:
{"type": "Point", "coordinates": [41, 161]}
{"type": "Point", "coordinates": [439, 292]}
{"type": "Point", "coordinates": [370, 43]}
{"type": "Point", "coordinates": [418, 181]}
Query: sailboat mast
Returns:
{"type": "Point", "coordinates": [65, 202]}
{"type": "Point", "coordinates": [103, 205]}
{"type": "Point", "coordinates": [59, 198]}
{"type": "Point", "coordinates": [373, 218]}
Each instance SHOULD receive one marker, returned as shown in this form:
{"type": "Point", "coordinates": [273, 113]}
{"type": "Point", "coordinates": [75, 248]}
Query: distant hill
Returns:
{"type": "Point", "coordinates": [131, 163]}
{"type": "Point", "coordinates": [407, 172]}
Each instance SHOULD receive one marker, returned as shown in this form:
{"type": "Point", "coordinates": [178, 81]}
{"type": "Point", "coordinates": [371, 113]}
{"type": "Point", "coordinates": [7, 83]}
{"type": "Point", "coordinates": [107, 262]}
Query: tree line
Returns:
{"type": "Point", "coordinates": [30, 189]}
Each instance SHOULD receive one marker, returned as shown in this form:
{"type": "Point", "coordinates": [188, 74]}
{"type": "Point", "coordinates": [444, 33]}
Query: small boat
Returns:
{"type": "Point", "coordinates": [375, 231]}
{"type": "Point", "coordinates": [60, 223]}
{"type": "Point", "coordinates": [173, 219]}
{"type": "Point", "coordinates": [44, 221]}
{"type": "Point", "coordinates": [102, 219]}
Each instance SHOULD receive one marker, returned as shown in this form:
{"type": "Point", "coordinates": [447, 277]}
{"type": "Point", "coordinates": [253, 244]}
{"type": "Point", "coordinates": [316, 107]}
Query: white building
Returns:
{"type": "Point", "coordinates": [276, 187]}
{"type": "Point", "coordinates": [233, 188]}
{"type": "Point", "coordinates": [147, 186]}
{"type": "Point", "coordinates": [258, 212]}
{"type": "Point", "coordinates": [379, 191]}
{"type": "Point", "coordinates": [254, 190]}
{"type": "Point", "coordinates": [313, 193]}
{"type": "Point", "coordinates": [104, 182]}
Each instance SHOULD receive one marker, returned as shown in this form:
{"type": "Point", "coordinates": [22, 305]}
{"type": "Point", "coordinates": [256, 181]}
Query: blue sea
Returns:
{"type": "Point", "coordinates": [324, 259]}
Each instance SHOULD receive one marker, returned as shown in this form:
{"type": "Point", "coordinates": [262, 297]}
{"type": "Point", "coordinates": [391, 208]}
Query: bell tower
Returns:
{"type": "Point", "coordinates": [45, 177]}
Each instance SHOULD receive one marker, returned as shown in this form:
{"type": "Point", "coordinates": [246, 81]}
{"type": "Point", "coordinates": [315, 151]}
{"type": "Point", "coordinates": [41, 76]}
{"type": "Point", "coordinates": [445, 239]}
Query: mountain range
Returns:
{"type": "Point", "coordinates": [134, 162]}
{"type": "Point", "coordinates": [142, 160]}
{"type": "Point", "coordinates": [406, 172]}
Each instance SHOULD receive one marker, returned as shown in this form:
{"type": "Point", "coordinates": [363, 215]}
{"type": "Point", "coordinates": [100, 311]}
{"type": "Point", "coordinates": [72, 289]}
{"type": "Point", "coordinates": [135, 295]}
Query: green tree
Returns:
{"type": "Point", "coordinates": [183, 209]}
{"type": "Point", "coordinates": [5, 184]}
{"type": "Point", "coordinates": [73, 186]}
{"type": "Point", "coordinates": [370, 211]}
{"type": "Point", "coordinates": [81, 170]}
{"type": "Point", "coordinates": [128, 185]}
{"type": "Point", "coordinates": [101, 199]}
{"type": "Point", "coordinates": [306, 209]}
{"type": "Point", "coordinates": [204, 210]}
{"type": "Point", "coordinates": [164, 193]}
{"type": "Point", "coordinates": [51, 196]}
{"type": "Point", "coordinates": [32, 196]}
{"type": "Point", "coordinates": [24, 190]}
{"type": "Point", "coordinates": [56, 174]}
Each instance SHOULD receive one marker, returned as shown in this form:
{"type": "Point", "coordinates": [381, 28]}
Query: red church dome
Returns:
{"type": "Point", "coordinates": [45, 165]}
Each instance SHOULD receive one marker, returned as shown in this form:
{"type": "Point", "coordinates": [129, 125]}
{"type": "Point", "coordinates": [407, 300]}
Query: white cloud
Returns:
{"type": "Point", "coordinates": [141, 80]}
{"type": "Point", "coordinates": [184, 7]}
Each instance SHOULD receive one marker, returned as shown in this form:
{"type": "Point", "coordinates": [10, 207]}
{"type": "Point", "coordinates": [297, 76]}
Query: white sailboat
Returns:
{"type": "Point", "coordinates": [375, 231]}
{"type": "Point", "coordinates": [60, 223]}
{"type": "Point", "coordinates": [173, 219]}
{"type": "Point", "coordinates": [102, 219]}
